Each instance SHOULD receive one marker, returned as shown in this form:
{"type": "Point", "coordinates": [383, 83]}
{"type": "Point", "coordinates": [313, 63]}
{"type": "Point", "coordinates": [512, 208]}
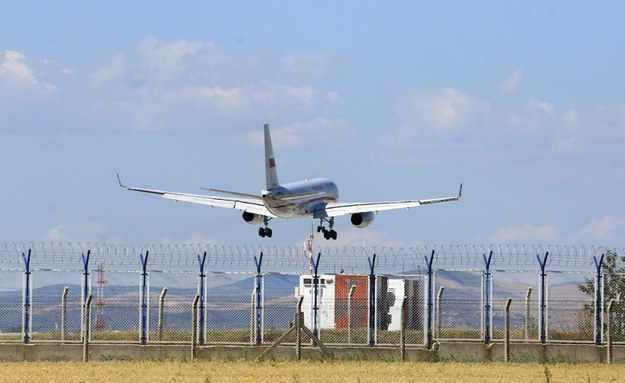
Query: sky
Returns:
{"type": "Point", "coordinates": [521, 102]}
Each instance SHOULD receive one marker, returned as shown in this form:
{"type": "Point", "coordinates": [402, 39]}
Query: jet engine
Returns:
{"type": "Point", "coordinates": [361, 220]}
{"type": "Point", "coordinates": [253, 219]}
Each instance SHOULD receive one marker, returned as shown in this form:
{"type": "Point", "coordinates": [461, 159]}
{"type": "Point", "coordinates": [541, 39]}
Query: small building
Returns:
{"type": "Point", "coordinates": [333, 302]}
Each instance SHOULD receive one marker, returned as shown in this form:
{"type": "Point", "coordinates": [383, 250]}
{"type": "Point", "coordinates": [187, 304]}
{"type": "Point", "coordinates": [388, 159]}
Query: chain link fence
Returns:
{"type": "Point", "coordinates": [351, 296]}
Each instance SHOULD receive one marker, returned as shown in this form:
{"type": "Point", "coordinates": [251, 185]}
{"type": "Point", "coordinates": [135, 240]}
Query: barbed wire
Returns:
{"type": "Point", "coordinates": [222, 258]}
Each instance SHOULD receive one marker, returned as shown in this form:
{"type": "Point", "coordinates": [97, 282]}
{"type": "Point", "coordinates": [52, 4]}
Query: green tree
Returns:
{"type": "Point", "coordinates": [613, 269]}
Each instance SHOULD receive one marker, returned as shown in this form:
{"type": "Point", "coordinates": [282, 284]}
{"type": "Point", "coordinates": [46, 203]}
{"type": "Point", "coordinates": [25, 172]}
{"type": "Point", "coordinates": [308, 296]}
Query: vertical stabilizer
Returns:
{"type": "Point", "coordinates": [270, 162]}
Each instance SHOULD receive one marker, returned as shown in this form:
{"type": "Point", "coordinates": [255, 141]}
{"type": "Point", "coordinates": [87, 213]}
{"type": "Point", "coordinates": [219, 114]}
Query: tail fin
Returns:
{"type": "Point", "coordinates": [270, 163]}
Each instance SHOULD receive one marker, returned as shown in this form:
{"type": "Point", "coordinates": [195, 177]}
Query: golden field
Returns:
{"type": "Point", "coordinates": [305, 371]}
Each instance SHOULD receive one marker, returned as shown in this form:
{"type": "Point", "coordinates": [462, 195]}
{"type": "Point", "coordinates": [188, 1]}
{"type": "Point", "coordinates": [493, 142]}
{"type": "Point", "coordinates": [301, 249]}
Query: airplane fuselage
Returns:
{"type": "Point", "coordinates": [302, 198]}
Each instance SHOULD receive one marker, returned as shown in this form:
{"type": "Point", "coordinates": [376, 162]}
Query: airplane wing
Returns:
{"type": "Point", "coordinates": [337, 209]}
{"type": "Point", "coordinates": [250, 205]}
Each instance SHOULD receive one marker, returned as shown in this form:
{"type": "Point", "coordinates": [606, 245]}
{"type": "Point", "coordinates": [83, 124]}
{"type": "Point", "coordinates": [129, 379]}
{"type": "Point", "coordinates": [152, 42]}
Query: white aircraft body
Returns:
{"type": "Point", "coordinates": [318, 198]}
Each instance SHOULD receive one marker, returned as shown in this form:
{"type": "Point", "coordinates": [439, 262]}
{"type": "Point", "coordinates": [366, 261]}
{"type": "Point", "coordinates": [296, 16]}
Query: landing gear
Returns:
{"type": "Point", "coordinates": [327, 234]}
{"type": "Point", "coordinates": [265, 231]}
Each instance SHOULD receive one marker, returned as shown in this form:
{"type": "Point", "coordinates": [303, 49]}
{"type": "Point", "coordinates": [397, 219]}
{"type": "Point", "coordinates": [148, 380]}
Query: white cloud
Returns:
{"type": "Point", "coordinates": [14, 67]}
{"type": "Point", "coordinates": [191, 107]}
{"type": "Point", "coordinates": [571, 118]}
{"type": "Point", "coordinates": [82, 232]}
{"type": "Point", "coordinates": [18, 75]}
{"type": "Point", "coordinates": [165, 61]}
{"type": "Point", "coordinates": [511, 84]}
{"type": "Point", "coordinates": [303, 134]}
{"type": "Point", "coordinates": [114, 69]}
{"type": "Point", "coordinates": [450, 126]}
{"type": "Point", "coordinates": [181, 85]}
{"type": "Point", "coordinates": [605, 228]}
{"type": "Point", "coordinates": [540, 106]}
{"type": "Point", "coordinates": [166, 86]}
{"type": "Point", "coordinates": [441, 114]}
{"type": "Point", "coordinates": [524, 233]}
{"type": "Point", "coordinates": [55, 233]}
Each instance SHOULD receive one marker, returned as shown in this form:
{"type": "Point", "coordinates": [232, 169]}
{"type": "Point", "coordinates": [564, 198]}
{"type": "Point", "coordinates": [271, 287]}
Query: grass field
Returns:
{"type": "Point", "coordinates": [322, 372]}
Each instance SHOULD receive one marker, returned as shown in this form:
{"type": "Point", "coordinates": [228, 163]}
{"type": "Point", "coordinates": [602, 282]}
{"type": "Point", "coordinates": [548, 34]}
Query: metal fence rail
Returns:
{"type": "Point", "coordinates": [352, 296]}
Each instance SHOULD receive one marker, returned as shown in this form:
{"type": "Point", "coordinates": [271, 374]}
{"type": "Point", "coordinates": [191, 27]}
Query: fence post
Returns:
{"type": "Point", "coordinates": [86, 287]}
{"type": "Point", "coordinates": [609, 332]}
{"type": "Point", "coordinates": [194, 323]}
{"type": "Point", "coordinates": [161, 309]}
{"type": "Point", "coordinates": [315, 308]}
{"type": "Point", "coordinates": [350, 296]}
{"type": "Point", "coordinates": [87, 327]}
{"type": "Point", "coordinates": [372, 299]}
{"type": "Point", "coordinates": [439, 302]}
{"type": "Point", "coordinates": [259, 301]}
{"type": "Point", "coordinates": [542, 320]}
{"type": "Point", "coordinates": [253, 327]}
{"type": "Point", "coordinates": [299, 322]}
{"type": "Point", "coordinates": [527, 313]}
{"type": "Point", "coordinates": [427, 334]}
{"type": "Point", "coordinates": [507, 331]}
{"type": "Point", "coordinates": [64, 313]}
{"type": "Point", "coordinates": [487, 315]}
{"type": "Point", "coordinates": [598, 301]}
{"type": "Point", "coordinates": [27, 304]}
{"type": "Point", "coordinates": [201, 291]}
{"type": "Point", "coordinates": [402, 334]}
{"type": "Point", "coordinates": [143, 318]}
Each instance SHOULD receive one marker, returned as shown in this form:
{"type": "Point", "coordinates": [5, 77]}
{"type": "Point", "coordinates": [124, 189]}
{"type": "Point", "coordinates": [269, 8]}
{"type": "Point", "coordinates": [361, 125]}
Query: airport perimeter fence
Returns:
{"type": "Point", "coordinates": [352, 296]}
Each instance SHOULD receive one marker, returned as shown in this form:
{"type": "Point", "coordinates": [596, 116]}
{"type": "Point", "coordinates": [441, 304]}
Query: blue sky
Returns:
{"type": "Point", "coordinates": [523, 103]}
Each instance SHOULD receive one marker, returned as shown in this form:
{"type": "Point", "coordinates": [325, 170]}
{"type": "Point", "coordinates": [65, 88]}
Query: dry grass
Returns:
{"type": "Point", "coordinates": [307, 371]}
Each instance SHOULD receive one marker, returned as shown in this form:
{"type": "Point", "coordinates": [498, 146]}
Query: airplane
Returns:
{"type": "Point", "coordinates": [318, 198]}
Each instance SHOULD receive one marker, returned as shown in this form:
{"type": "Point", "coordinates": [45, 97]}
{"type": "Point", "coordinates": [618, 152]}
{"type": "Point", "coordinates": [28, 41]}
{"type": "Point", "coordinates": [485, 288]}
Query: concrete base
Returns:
{"type": "Point", "coordinates": [443, 351]}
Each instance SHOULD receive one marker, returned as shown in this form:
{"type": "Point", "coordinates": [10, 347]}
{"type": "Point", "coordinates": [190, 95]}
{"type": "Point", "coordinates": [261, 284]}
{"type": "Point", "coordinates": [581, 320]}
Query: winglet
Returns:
{"type": "Point", "coordinates": [460, 192]}
{"type": "Point", "coordinates": [120, 182]}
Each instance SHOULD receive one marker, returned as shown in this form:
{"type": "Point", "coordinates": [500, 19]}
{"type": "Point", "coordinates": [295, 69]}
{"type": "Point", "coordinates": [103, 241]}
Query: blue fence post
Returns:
{"type": "Point", "coordinates": [372, 299]}
{"type": "Point", "coordinates": [598, 301]}
{"type": "Point", "coordinates": [144, 298]}
{"type": "Point", "coordinates": [202, 294]}
{"type": "Point", "coordinates": [85, 290]}
{"type": "Point", "coordinates": [315, 264]}
{"type": "Point", "coordinates": [427, 334]}
{"type": "Point", "coordinates": [85, 276]}
{"type": "Point", "coordinates": [26, 315]}
{"type": "Point", "coordinates": [542, 320]}
{"type": "Point", "coordinates": [259, 308]}
{"type": "Point", "coordinates": [488, 318]}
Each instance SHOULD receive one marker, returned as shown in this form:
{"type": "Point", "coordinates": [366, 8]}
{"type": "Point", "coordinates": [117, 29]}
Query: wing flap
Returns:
{"type": "Point", "coordinates": [238, 194]}
{"type": "Point", "coordinates": [338, 209]}
{"type": "Point", "coordinates": [244, 204]}
{"type": "Point", "coordinates": [249, 205]}
{"type": "Point", "coordinates": [334, 210]}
